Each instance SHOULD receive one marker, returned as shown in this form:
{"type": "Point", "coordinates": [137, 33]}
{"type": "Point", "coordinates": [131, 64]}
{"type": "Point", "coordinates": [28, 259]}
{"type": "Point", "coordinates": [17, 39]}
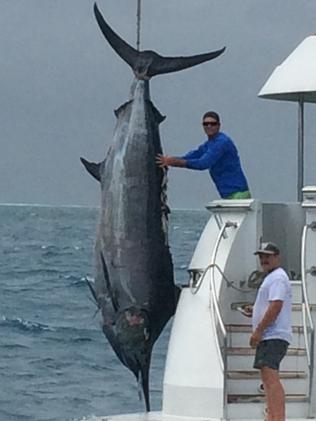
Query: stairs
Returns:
{"type": "Point", "coordinates": [244, 399]}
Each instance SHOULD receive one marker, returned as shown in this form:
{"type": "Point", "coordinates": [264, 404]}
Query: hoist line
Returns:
{"type": "Point", "coordinates": [138, 24]}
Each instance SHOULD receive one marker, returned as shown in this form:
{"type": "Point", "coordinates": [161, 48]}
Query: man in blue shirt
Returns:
{"type": "Point", "coordinates": [219, 155]}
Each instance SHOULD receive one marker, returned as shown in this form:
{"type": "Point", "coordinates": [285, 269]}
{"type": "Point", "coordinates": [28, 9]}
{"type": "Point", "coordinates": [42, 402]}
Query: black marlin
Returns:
{"type": "Point", "coordinates": [134, 286]}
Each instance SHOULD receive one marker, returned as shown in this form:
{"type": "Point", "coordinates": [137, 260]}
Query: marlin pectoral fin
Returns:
{"type": "Point", "coordinates": [157, 114]}
{"type": "Point", "coordinates": [108, 284]}
{"type": "Point", "coordinates": [148, 63]}
{"type": "Point", "coordinates": [121, 109]}
{"type": "Point", "coordinates": [93, 293]}
{"type": "Point", "coordinates": [92, 168]}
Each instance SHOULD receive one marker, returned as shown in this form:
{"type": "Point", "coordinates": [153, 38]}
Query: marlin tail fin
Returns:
{"type": "Point", "coordinates": [146, 64]}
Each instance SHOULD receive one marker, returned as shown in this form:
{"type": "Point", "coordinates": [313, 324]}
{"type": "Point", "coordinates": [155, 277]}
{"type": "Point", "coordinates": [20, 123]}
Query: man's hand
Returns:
{"type": "Point", "coordinates": [255, 338]}
{"type": "Point", "coordinates": [162, 160]}
{"type": "Point", "coordinates": [246, 310]}
{"type": "Point", "coordinates": [169, 161]}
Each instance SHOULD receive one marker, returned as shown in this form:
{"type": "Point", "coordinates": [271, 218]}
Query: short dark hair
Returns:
{"type": "Point", "coordinates": [212, 114]}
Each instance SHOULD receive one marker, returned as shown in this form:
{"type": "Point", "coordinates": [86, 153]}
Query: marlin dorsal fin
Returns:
{"type": "Point", "coordinates": [92, 168]}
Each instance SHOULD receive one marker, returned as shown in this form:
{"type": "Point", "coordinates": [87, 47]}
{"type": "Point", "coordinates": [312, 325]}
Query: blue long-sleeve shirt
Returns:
{"type": "Point", "coordinates": [220, 156]}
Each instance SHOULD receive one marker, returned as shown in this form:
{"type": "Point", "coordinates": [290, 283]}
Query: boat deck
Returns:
{"type": "Point", "coordinates": [159, 416]}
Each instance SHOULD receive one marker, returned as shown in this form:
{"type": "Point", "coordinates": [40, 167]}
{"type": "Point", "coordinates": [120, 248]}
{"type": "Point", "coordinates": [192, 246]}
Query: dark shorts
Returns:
{"type": "Point", "coordinates": [270, 353]}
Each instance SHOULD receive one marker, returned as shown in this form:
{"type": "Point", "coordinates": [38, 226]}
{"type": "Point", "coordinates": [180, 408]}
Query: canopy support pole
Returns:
{"type": "Point", "coordinates": [300, 150]}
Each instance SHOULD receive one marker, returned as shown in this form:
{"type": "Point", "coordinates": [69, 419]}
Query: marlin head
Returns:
{"type": "Point", "coordinates": [132, 342]}
{"type": "Point", "coordinates": [146, 64]}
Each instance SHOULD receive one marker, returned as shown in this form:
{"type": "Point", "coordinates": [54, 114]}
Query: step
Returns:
{"type": "Point", "coordinates": [295, 285]}
{"type": "Point", "coordinates": [248, 328]}
{"type": "Point", "coordinates": [242, 358]}
{"type": "Point", "coordinates": [251, 351]}
{"type": "Point", "coordinates": [239, 335]}
{"type": "Point", "coordinates": [297, 314]}
{"type": "Point", "coordinates": [239, 318]}
{"type": "Point", "coordinates": [248, 381]}
{"type": "Point", "coordinates": [296, 306]}
{"type": "Point", "coordinates": [296, 291]}
{"type": "Point", "coordinates": [256, 398]}
{"type": "Point", "coordinates": [296, 408]}
{"type": "Point", "coordinates": [255, 374]}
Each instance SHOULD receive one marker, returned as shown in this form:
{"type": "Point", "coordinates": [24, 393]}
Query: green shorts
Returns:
{"type": "Point", "coordinates": [270, 353]}
{"type": "Point", "coordinates": [240, 195]}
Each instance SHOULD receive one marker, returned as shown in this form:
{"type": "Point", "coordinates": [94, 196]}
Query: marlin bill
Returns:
{"type": "Point", "coordinates": [134, 286]}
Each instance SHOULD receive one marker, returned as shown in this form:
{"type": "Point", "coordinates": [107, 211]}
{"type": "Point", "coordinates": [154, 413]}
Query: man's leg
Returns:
{"type": "Point", "coordinates": [274, 394]}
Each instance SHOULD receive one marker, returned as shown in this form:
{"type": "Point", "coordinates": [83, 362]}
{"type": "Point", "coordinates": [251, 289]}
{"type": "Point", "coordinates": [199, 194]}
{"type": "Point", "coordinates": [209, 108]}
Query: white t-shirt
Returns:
{"type": "Point", "coordinates": [276, 286]}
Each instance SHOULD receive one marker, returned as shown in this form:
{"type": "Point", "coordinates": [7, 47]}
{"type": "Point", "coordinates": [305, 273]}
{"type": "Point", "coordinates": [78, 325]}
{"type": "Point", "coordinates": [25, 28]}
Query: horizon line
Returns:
{"type": "Point", "coordinates": [45, 205]}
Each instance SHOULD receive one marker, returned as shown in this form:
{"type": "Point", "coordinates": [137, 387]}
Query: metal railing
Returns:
{"type": "Point", "coordinates": [217, 320]}
{"type": "Point", "coordinates": [195, 285]}
{"type": "Point", "coordinates": [306, 314]}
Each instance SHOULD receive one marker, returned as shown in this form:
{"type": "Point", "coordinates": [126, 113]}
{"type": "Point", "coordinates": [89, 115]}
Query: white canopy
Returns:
{"type": "Point", "coordinates": [295, 78]}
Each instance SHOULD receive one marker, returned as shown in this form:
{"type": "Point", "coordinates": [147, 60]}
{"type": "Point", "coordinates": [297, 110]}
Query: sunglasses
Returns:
{"type": "Point", "coordinates": [210, 123]}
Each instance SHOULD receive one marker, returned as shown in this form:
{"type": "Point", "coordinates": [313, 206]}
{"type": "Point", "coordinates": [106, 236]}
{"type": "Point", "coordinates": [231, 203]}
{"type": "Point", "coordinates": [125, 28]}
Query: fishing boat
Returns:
{"type": "Point", "coordinates": [208, 372]}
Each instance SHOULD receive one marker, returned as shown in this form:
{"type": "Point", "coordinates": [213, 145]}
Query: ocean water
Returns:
{"type": "Point", "coordinates": [55, 363]}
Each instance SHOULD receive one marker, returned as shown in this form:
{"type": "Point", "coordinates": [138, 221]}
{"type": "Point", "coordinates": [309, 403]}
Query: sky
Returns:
{"type": "Point", "coordinates": [60, 82]}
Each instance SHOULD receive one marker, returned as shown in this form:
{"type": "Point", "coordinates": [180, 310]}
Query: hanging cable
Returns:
{"type": "Point", "coordinates": [138, 23]}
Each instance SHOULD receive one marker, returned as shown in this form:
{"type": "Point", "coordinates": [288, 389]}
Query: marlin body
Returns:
{"type": "Point", "coordinates": [134, 286]}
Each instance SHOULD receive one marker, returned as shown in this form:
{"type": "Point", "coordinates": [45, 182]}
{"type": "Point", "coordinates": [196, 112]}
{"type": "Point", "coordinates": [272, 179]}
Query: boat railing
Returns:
{"type": "Point", "coordinates": [308, 325]}
{"type": "Point", "coordinates": [216, 317]}
{"type": "Point", "coordinates": [197, 279]}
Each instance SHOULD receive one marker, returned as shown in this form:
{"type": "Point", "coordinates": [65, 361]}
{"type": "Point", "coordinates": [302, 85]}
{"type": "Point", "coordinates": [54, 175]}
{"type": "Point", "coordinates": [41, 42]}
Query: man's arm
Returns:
{"type": "Point", "coordinates": [211, 154]}
{"type": "Point", "coordinates": [172, 161]}
{"type": "Point", "coordinates": [195, 153]}
{"type": "Point", "coordinates": [269, 317]}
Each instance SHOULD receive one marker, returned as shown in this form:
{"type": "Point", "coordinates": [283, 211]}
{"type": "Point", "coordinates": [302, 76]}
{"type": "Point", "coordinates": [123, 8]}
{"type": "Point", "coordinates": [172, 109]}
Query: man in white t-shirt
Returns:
{"type": "Point", "coordinates": [272, 328]}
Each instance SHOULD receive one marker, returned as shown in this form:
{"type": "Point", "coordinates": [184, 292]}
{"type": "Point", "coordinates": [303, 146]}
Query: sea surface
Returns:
{"type": "Point", "coordinates": [55, 363]}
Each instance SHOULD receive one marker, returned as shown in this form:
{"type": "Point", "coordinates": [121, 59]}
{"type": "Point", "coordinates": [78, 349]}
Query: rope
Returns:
{"type": "Point", "coordinates": [138, 24]}
{"type": "Point", "coordinates": [194, 287]}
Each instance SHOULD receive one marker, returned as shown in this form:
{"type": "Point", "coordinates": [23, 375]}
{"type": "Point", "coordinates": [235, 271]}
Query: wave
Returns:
{"type": "Point", "coordinates": [25, 325]}
{"type": "Point", "coordinates": [30, 272]}
{"type": "Point", "coordinates": [88, 418]}
{"type": "Point", "coordinates": [77, 334]}
{"type": "Point", "coordinates": [79, 282]}
{"type": "Point", "coordinates": [6, 415]}
{"type": "Point", "coordinates": [54, 251]}
{"type": "Point", "coordinates": [14, 346]}
{"type": "Point", "coordinates": [42, 205]}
